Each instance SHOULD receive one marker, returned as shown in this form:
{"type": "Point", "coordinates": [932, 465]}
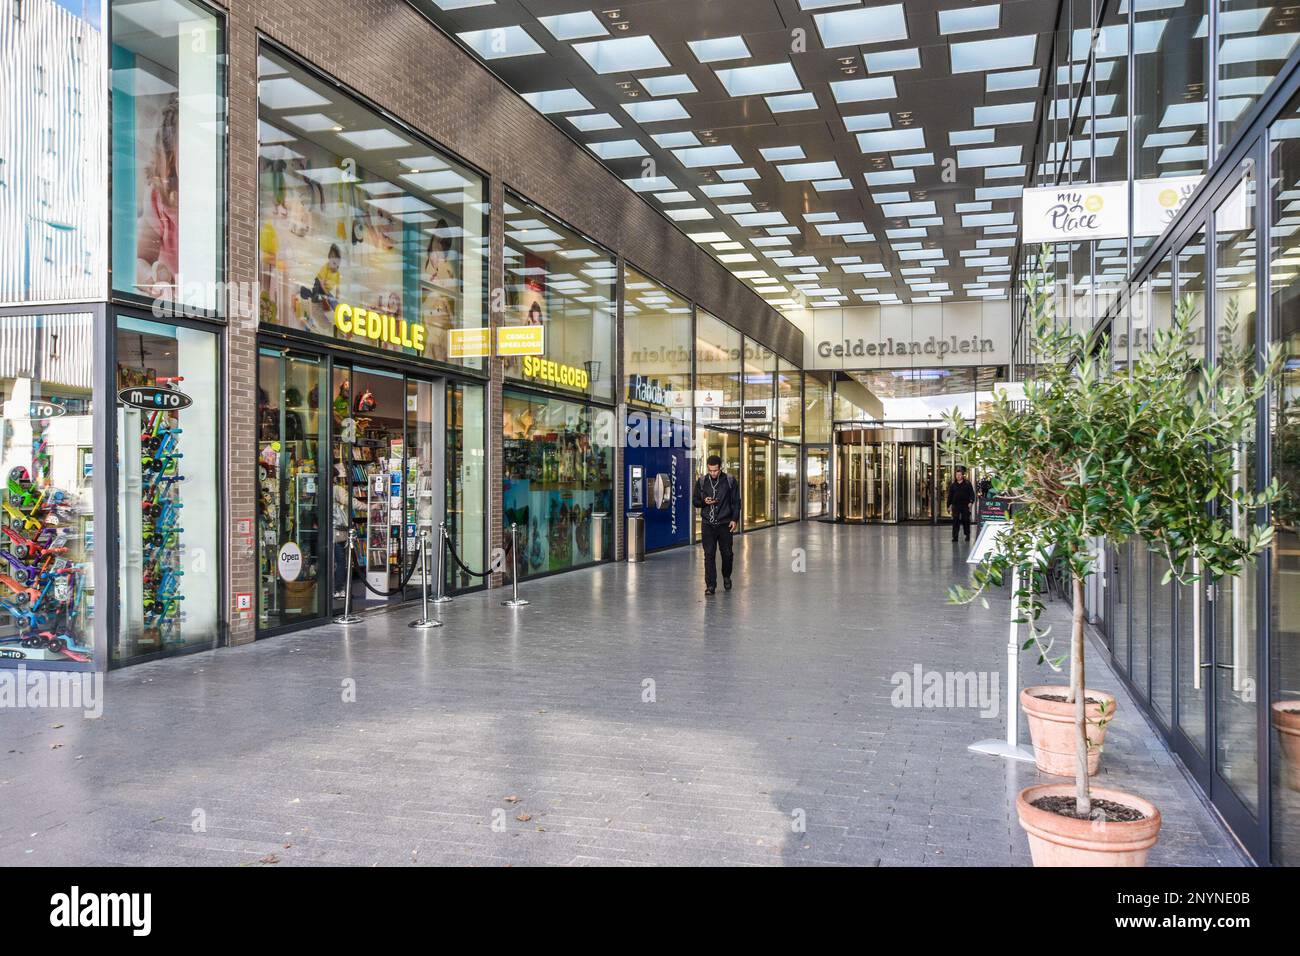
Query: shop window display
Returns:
{"type": "Point", "coordinates": [167, 489]}
{"type": "Point", "coordinates": [717, 372]}
{"type": "Point", "coordinates": [758, 482]}
{"type": "Point", "coordinates": [657, 346]}
{"type": "Point", "coordinates": [787, 482]}
{"type": "Point", "coordinates": [558, 482]}
{"type": "Point", "coordinates": [366, 235]}
{"type": "Point", "coordinates": [566, 284]}
{"type": "Point", "coordinates": [168, 127]}
{"type": "Point", "coordinates": [466, 480]}
{"type": "Point", "coordinates": [47, 527]}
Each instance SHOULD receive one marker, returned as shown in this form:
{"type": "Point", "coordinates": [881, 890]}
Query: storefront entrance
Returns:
{"type": "Point", "coordinates": [886, 475]}
{"type": "Point", "coordinates": [344, 446]}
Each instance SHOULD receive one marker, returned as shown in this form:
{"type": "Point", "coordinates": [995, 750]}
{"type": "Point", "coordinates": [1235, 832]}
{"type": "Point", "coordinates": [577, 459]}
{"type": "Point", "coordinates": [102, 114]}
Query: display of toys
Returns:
{"type": "Point", "coordinates": [161, 506]}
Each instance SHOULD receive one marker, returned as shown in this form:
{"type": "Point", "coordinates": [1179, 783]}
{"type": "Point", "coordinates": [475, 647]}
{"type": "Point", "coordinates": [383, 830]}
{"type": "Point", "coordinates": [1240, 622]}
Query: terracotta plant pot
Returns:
{"type": "Point", "coordinates": [1051, 728]}
{"type": "Point", "coordinates": [1286, 721]}
{"type": "Point", "coordinates": [1056, 840]}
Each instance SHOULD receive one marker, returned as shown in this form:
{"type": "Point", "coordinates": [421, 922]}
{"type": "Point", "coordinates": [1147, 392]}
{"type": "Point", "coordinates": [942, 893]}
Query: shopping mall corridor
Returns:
{"type": "Point", "coordinates": [622, 717]}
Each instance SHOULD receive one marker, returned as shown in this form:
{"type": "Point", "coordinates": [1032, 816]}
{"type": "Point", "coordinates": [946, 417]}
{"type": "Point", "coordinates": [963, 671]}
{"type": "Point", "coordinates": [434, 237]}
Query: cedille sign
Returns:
{"type": "Point", "coordinates": [1076, 213]}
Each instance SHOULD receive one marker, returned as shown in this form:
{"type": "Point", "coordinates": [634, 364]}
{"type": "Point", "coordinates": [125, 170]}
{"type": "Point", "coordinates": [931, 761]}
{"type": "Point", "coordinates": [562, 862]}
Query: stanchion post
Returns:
{"type": "Point", "coordinates": [347, 617]}
{"type": "Point", "coordinates": [516, 600]}
{"type": "Point", "coordinates": [425, 620]}
{"type": "Point", "coordinates": [440, 564]}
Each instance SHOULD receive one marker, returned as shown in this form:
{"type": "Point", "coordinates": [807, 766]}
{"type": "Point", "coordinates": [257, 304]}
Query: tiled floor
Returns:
{"type": "Point", "coordinates": [622, 717]}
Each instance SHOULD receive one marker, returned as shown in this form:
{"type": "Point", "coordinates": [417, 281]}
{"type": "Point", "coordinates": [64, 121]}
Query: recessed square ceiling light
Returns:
{"type": "Point", "coordinates": [990, 156]}
{"type": "Point", "coordinates": [776, 154]}
{"type": "Point", "coordinates": [656, 111]}
{"type": "Point", "coordinates": [318, 123]}
{"type": "Point", "coordinates": [622, 55]}
{"type": "Point", "coordinates": [593, 122]}
{"type": "Point", "coordinates": [891, 140]}
{"type": "Point", "coordinates": [1005, 114]}
{"type": "Point", "coordinates": [972, 207]}
{"type": "Point", "coordinates": [721, 48]}
{"type": "Point", "coordinates": [1004, 172]}
{"type": "Point", "coordinates": [759, 80]}
{"type": "Point", "coordinates": [891, 61]}
{"type": "Point", "coordinates": [883, 199]}
{"type": "Point", "coordinates": [725, 190]}
{"type": "Point", "coordinates": [832, 185]}
{"type": "Point", "coordinates": [693, 214]}
{"type": "Point", "coordinates": [736, 175]}
{"type": "Point", "coordinates": [792, 103]}
{"type": "Point", "coordinates": [735, 208]}
{"type": "Point", "coordinates": [891, 177]}
{"type": "Point", "coordinates": [993, 54]}
{"type": "Point", "coordinates": [617, 149]}
{"type": "Point", "coordinates": [970, 19]}
{"type": "Point", "coordinates": [461, 4]}
{"type": "Point", "coordinates": [821, 216]}
{"type": "Point", "coordinates": [869, 88]}
{"type": "Point", "coordinates": [680, 195]}
{"type": "Point", "coordinates": [557, 101]}
{"type": "Point", "coordinates": [675, 140]}
{"type": "Point", "coordinates": [902, 210]}
{"type": "Point", "coordinates": [862, 26]}
{"type": "Point", "coordinates": [573, 26]}
{"type": "Point", "coordinates": [702, 156]}
{"type": "Point", "coordinates": [500, 43]}
{"type": "Point", "coordinates": [867, 121]}
{"type": "Point", "coordinates": [286, 93]}
{"type": "Point", "coordinates": [912, 160]}
{"type": "Point", "coordinates": [970, 137]}
{"type": "Point", "coordinates": [758, 219]}
{"type": "Point", "coordinates": [765, 242]}
{"type": "Point", "coordinates": [802, 172]}
{"type": "Point", "coordinates": [677, 84]}
{"type": "Point", "coordinates": [1013, 80]}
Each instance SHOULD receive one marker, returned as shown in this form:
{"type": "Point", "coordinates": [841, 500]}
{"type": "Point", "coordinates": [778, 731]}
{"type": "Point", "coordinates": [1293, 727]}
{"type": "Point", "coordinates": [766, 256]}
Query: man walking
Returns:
{"type": "Point", "coordinates": [961, 496]}
{"type": "Point", "coordinates": [717, 498]}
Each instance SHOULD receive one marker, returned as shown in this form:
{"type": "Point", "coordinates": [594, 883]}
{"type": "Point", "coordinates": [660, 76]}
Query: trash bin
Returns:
{"type": "Point", "coordinates": [635, 536]}
{"type": "Point", "coordinates": [598, 535]}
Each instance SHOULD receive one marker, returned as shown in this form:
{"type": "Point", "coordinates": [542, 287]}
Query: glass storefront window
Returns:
{"type": "Point", "coordinates": [466, 480]}
{"type": "Point", "coordinates": [759, 414]}
{"type": "Point", "coordinates": [169, 489]}
{"type": "Point", "coordinates": [169, 121]}
{"type": "Point", "coordinates": [817, 408]}
{"type": "Point", "coordinates": [557, 464]}
{"type": "Point", "coordinates": [47, 519]}
{"type": "Point", "coordinates": [787, 482]}
{"type": "Point", "coordinates": [568, 285]}
{"type": "Point", "coordinates": [717, 372]}
{"type": "Point", "coordinates": [757, 487]}
{"type": "Point", "coordinates": [53, 152]}
{"type": "Point", "coordinates": [817, 483]}
{"type": "Point", "coordinates": [1255, 38]}
{"type": "Point", "coordinates": [366, 234]}
{"type": "Point", "coordinates": [789, 402]}
{"type": "Point", "coordinates": [726, 446]}
{"type": "Point", "coordinates": [657, 346]}
{"type": "Point", "coordinates": [1170, 105]}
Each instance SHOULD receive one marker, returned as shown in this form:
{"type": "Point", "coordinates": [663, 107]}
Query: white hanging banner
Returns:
{"type": "Point", "coordinates": [1075, 213]}
{"type": "Point", "coordinates": [1157, 201]}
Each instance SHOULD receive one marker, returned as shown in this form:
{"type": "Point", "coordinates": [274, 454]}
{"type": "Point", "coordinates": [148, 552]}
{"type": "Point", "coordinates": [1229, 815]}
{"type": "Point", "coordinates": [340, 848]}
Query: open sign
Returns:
{"type": "Point", "coordinates": [151, 398]}
{"type": "Point", "coordinates": [35, 409]}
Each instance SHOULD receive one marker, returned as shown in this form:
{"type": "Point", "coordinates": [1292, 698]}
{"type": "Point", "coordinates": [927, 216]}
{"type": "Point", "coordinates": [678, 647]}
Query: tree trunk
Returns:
{"type": "Point", "coordinates": [1082, 802]}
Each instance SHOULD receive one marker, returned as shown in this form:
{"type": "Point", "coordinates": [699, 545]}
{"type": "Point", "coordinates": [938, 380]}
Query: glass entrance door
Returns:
{"type": "Point", "coordinates": [816, 481]}
{"type": "Point", "coordinates": [385, 437]}
{"type": "Point", "coordinates": [916, 483]}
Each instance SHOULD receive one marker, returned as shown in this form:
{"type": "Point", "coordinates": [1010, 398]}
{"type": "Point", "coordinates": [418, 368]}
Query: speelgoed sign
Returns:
{"type": "Point", "coordinates": [1075, 213]}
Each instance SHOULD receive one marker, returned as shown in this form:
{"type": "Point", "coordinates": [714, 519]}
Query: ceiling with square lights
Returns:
{"type": "Point", "coordinates": [828, 152]}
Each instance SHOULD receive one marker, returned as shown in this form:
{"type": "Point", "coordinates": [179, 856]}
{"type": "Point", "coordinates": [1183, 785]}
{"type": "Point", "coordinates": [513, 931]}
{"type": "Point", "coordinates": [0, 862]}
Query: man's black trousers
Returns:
{"type": "Point", "coordinates": [961, 518]}
{"type": "Point", "coordinates": [717, 537]}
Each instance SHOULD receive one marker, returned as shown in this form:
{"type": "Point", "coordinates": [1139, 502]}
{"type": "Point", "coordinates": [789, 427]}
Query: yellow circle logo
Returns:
{"type": "Point", "coordinates": [1168, 198]}
{"type": "Point", "coordinates": [1094, 203]}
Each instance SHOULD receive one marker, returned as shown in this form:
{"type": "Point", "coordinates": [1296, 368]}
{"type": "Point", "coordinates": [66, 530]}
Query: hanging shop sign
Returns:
{"type": "Point", "coordinates": [554, 373]}
{"type": "Point", "coordinates": [642, 389]}
{"type": "Point", "coordinates": [31, 410]}
{"type": "Point", "coordinates": [521, 340]}
{"type": "Point", "coordinates": [1075, 213]}
{"type": "Point", "coordinates": [1156, 202]}
{"type": "Point", "coordinates": [469, 343]}
{"type": "Point", "coordinates": [151, 398]}
{"type": "Point", "coordinates": [752, 413]}
{"type": "Point", "coordinates": [289, 561]}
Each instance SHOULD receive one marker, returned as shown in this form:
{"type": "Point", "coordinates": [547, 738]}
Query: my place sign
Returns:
{"type": "Point", "coordinates": [1075, 213]}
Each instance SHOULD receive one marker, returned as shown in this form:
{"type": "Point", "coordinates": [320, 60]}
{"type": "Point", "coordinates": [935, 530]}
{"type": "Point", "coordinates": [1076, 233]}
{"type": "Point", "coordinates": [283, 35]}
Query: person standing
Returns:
{"type": "Point", "coordinates": [717, 498]}
{"type": "Point", "coordinates": [961, 497]}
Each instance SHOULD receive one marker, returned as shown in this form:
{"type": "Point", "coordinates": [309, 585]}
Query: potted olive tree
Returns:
{"type": "Point", "coordinates": [1089, 455]}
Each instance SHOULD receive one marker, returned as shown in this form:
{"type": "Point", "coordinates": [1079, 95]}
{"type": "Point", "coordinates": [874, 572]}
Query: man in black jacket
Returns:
{"type": "Point", "coordinates": [961, 496]}
{"type": "Point", "coordinates": [717, 498]}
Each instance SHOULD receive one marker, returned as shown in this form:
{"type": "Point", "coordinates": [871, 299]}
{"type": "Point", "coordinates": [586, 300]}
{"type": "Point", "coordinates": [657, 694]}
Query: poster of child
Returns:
{"type": "Point", "coordinates": [157, 225]}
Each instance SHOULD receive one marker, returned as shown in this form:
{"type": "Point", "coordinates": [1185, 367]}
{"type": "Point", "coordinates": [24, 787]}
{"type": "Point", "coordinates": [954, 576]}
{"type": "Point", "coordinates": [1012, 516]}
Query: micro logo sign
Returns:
{"type": "Point", "coordinates": [151, 398]}
{"type": "Point", "coordinates": [33, 410]}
